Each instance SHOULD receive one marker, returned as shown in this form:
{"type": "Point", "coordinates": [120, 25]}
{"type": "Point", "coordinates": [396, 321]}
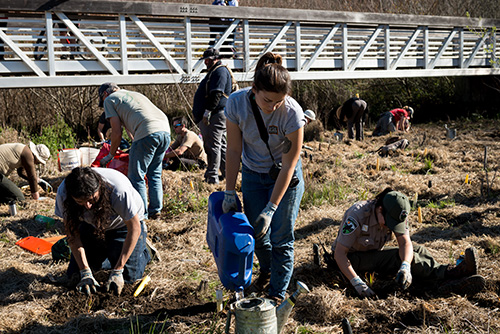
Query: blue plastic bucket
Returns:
{"type": "Point", "coordinates": [231, 240]}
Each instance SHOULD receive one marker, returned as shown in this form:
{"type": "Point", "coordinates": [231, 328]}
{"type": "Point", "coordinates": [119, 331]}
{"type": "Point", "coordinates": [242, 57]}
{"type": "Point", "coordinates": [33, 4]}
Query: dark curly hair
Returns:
{"type": "Point", "coordinates": [83, 183]}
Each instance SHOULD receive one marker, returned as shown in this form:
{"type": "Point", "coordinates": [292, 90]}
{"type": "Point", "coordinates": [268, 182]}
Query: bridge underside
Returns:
{"type": "Point", "coordinates": [88, 43]}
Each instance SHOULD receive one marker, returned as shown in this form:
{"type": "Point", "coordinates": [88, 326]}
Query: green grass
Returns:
{"type": "Point", "coordinates": [3, 238]}
{"type": "Point", "coordinates": [317, 194]}
{"type": "Point", "coordinates": [184, 202]}
{"type": "Point", "coordinates": [137, 328]}
{"type": "Point", "coordinates": [396, 170]}
{"type": "Point", "coordinates": [358, 155]}
{"type": "Point", "coordinates": [306, 330]}
{"type": "Point", "coordinates": [441, 204]}
{"type": "Point", "coordinates": [364, 195]}
{"type": "Point", "coordinates": [428, 162]}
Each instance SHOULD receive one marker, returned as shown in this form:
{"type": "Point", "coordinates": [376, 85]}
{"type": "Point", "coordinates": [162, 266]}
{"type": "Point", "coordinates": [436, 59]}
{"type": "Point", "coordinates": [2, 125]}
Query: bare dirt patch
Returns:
{"type": "Point", "coordinates": [35, 295]}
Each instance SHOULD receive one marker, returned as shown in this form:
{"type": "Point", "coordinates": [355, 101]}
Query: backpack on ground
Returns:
{"type": "Point", "coordinates": [61, 250]}
{"type": "Point", "coordinates": [389, 149]}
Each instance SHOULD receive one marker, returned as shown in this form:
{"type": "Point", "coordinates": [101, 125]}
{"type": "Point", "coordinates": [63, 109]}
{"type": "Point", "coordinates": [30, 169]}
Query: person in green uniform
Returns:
{"type": "Point", "coordinates": [359, 248]}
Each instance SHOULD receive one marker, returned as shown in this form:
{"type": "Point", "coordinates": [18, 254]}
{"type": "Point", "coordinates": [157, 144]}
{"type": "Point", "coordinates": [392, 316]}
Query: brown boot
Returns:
{"type": "Point", "coordinates": [260, 284]}
{"type": "Point", "coordinates": [464, 286]}
{"type": "Point", "coordinates": [467, 267]}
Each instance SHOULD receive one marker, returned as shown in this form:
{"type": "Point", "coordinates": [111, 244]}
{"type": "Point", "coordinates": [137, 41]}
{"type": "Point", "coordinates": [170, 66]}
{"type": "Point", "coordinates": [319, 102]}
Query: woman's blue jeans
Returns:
{"type": "Point", "coordinates": [98, 250]}
{"type": "Point", "coordinates": [145, 159]}
{"type": "Point", "coordinates": [275, 250]}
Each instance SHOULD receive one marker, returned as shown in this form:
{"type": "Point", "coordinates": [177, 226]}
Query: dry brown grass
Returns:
{"type": "Point", "coordinates": [457, 218]}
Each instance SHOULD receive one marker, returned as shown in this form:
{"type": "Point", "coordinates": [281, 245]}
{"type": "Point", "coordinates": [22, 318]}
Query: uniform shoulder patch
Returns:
{"type": "Point", "coordinates": [350, 225]}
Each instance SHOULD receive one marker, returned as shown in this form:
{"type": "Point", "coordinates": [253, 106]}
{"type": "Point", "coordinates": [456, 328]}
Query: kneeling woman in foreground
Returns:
{"type": "Point", "coordinates": [265, 128]}
{"type": "Point", "coordinates": [102, 215]}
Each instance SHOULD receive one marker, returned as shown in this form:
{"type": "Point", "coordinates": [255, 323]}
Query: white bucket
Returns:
{"type": "Point", "coordinates": [68, 159]}
{"type": "Point", "coordinates": [88, 155]}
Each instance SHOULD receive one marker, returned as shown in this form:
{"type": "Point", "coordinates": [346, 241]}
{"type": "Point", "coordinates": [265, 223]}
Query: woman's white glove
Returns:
{"type": "Point", "coordinates": [263, 221]}
{"type": "Point", "coordinates": [361, 287]}
{"type": "Point", "coordinates": [230, 201]}
{"type": "Point", "coordinates": [115, 281]}
{"type": "Point", "coordinates": [87, 282]}
{"type": "Point", "coordinates": [403, 277]}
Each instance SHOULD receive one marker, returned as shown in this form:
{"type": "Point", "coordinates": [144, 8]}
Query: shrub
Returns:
{"type": "Point", "coordinates": [56, 136]}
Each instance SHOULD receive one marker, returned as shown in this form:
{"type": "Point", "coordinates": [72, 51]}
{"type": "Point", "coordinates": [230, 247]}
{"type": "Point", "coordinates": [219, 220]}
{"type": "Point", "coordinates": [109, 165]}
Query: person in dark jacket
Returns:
{"type": "Point", "coordinates": [208, 111]}
{"type": "Point", "coordinates": [352, 112]}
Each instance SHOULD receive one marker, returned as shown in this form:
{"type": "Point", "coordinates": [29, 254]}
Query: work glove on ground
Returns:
{"type": "Point", "coordinates": [115, 281]}
{"type": "Point", "coordinates": [361, 287]}
{"type": "Point", "coordinates": [263, 221]}
{"type": "Point", "coordinates": [105, 161]}
{"type": "Point", "coordinates": [230, 201]}
{"type": "Point", "coordinates": [403, 277]}
{"type": "Point", "coordinates": [206, 117]}
{"type": "Point", "coordinates": [45, 185]}
{"type": "Point", "coordinates": [87, 282]}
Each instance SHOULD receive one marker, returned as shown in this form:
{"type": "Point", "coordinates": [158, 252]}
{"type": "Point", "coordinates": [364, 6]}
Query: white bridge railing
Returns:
{"type": "Point", "coordinates": [82, 43]}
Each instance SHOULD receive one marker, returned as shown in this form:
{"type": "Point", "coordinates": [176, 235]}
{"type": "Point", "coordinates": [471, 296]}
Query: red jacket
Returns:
{"type": "Point", "coordinates": [398, 114]}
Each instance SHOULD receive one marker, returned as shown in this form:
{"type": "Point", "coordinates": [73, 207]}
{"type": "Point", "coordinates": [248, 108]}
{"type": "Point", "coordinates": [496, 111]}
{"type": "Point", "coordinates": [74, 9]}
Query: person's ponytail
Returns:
{"type": "Point", "coordinates": [271, 76]}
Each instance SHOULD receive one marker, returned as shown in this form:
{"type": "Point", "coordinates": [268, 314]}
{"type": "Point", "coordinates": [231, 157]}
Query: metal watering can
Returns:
{"type": "Point", "coordinates": [260, 315]}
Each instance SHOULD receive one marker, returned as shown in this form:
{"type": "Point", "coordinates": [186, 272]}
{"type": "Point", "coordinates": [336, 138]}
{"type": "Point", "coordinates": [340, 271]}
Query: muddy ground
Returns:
{"type": "Point", "coordinates": [36, 297]}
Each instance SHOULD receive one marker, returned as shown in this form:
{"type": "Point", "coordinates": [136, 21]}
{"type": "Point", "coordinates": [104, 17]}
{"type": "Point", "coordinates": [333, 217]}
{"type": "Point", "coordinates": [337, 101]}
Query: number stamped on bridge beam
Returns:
{"type": "Point", "coordinates": [188, 9]}
{"type": "Point", "coordinates": [186, 78]}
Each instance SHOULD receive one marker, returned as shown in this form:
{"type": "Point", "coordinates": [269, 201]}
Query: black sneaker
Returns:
{"type": "Point", "coordinates": [260, 284]}
{"type": "Point", "coordinates": [464, 286]}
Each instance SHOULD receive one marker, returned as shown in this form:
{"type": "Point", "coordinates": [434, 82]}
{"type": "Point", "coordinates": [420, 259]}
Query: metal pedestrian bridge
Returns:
{"type": "Point", "coordinates": [83, 42]}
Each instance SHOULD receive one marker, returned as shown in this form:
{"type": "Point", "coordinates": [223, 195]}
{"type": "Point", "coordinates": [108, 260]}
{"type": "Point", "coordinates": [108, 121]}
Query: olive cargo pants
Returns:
{"type": "Point", "coordinates": [387, 262]}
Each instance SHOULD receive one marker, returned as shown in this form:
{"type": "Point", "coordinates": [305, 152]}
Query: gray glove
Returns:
{"type": "Point", "coordinates": [403, 276]}
{"type": "Point", "coordinates": [230, 201]}
{"type": "Point", "coordinates": [206, 117]}
{"type": "Point", "coordinates": [45, 185]}
{"type": "Point", "coordinates": [115, 281]}
{"type": "Point", "coordinates": [105, 161]}
{"type": "Point", "coordinates": [362, 289]}
{"type": "Point", "coordinates": [263, 221]}
{"type": "Point", "coordinates": [87, 282]}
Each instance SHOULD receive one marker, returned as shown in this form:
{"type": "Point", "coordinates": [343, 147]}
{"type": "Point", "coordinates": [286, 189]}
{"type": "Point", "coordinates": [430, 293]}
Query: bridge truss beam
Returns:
{"type": "Point", "coordinates": [81, 43]}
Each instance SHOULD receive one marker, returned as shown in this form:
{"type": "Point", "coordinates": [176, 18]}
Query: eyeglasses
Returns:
{"type": "Point", "coordinates": [176, 125]}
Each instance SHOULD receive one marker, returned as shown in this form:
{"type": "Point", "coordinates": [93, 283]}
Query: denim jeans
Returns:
{"type": "Point", "coordinates": [275, 250]}
{"type": "Point", "coordinates": [145, 159]}
{"type": "Point", "coordinates": [97, 250]}
{"type": "Point", "coordinates": [385, 124]}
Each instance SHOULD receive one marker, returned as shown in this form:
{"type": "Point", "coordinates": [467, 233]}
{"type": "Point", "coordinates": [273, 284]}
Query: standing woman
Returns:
{"type": "Point", "coordinates": [271, 200]}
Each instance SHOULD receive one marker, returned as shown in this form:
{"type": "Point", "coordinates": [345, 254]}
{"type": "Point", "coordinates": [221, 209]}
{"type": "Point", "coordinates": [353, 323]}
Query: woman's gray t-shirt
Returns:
{"type": "Point", "coordinates": [287, 119]}
{"type": "Point", "coordinates": [125, 200]}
